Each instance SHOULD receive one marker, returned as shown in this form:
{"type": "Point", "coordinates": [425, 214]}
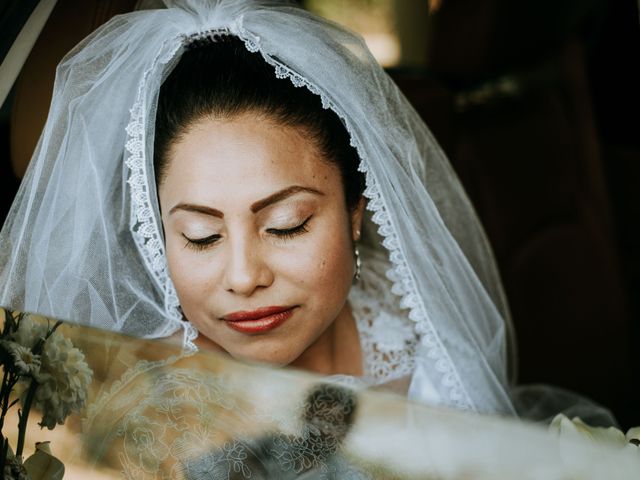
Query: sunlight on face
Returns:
{"type": "Point", "coordinates": [259, 240]}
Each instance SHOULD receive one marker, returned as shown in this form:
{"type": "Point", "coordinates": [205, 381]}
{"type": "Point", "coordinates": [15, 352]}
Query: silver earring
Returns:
{"type": "Point", "coordinates": [356, 276]}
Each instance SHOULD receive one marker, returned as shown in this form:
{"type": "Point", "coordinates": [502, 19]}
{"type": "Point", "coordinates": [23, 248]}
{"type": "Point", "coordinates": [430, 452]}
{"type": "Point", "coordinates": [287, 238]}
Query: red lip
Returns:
{"type": "Point", "coordinates": [258, 321]}
{"type": "Point", "coordinates": [255, 314]}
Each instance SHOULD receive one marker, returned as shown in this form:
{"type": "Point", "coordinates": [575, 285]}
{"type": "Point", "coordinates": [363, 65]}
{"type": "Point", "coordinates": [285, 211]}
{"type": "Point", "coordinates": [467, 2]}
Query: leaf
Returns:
{"type": "Point", "coordinates": [42, 465]}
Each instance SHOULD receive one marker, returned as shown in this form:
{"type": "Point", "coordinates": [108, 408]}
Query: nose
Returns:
{"type": "Point", "coordinates": [246, 268]}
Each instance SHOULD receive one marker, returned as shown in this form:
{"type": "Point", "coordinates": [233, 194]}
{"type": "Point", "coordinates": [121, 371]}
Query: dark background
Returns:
{"type": "Point", "coordinates": [536, 103]}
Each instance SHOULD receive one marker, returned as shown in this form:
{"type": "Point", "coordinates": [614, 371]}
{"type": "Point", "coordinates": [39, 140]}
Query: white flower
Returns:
{"type": "Point", "coordinates": [29, 332]}
{"type": "Point", "coordinates": [21, 358]}
{"type": "Point", "coordinates": [576, 428]}
{"type": "Point", "coordinates": [63, 374]}
{"type": "Point", "coordinates": [64, 381]}
{"type": "Point", "coordinates": [633, 436]}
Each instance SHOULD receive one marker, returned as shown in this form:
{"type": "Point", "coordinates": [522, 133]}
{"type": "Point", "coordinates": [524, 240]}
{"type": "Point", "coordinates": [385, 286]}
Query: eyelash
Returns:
{"type": "Point", "coordinates": [289, 233]}
{"type": "Point", "coordinates": [201, 243]}
{"type": "Point", "coordinates": [286, 234]}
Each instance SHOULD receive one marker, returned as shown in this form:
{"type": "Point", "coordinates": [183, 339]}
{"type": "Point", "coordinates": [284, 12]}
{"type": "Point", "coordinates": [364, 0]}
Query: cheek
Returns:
{"type": "Point", "coordinates": [324, 266]}
{"type": "Point", "coordinates": [192, 275]}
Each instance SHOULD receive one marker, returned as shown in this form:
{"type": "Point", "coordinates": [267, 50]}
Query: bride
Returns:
{"type": "Point", "coordinates": [261, 204]}
{"type": "Point", "coordinates": [244, 177]}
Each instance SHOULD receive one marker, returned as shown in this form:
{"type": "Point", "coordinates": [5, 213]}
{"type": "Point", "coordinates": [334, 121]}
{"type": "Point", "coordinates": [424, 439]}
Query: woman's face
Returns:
{"type": "Point", "coordinates": [259, 240]}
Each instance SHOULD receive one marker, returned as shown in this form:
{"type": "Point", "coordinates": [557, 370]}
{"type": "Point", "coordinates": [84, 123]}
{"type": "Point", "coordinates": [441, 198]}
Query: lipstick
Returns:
{"type": "Point", "coordinates": [258, 321]}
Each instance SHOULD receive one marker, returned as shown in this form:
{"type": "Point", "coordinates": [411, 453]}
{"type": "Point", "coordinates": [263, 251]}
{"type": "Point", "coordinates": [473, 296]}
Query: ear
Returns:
{"type": "Point", "coordinates": [357, 215]}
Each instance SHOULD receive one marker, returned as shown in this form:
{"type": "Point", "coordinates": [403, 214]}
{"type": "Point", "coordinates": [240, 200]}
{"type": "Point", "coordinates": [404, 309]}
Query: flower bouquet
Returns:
{"type": "Point", "coordinates": [41, 370]}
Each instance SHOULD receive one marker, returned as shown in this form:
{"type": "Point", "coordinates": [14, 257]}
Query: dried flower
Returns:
{"type": "Point", "coordinates": [64, 381]}
{"type": "Point", "coordinates": [52, 376]}
{"type": "Point", "coordinates": [43, 465]}
{"type": "Point", "coordinates": [60, 370]}
{"type": "Point", "coordinates": [29, 333]}
{"type": "Point", "coordinates": [21, 359]}
{"type": "Point", "coordinates": [13, 468]}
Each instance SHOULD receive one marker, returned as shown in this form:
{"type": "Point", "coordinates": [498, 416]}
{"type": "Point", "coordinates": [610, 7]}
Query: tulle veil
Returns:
{"type": "Point", "coordinates": [83, 240]}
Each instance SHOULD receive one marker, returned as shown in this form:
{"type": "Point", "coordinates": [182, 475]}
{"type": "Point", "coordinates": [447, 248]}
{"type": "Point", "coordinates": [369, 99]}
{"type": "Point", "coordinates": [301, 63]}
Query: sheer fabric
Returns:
{"type": "Point", "coordinates": [154, 414]}
{"type": "Point", "coordinates": [83, 240]}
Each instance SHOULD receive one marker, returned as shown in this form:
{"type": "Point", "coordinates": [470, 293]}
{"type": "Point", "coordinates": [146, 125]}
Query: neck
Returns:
{"type": "Point", "coordinates": [337, 349]}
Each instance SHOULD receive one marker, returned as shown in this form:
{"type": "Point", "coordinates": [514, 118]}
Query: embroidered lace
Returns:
{"type": "Point", "coordinates": [387, 336]}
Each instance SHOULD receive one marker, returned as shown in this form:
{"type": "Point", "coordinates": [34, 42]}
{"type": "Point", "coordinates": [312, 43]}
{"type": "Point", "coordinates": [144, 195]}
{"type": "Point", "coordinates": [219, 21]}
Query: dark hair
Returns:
{"type": "Point", "coordinates": [224, 79]}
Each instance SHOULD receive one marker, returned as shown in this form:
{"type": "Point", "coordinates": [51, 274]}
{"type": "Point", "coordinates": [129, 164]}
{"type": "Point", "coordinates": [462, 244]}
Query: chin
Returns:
{"type": "Point", "coordinates": [260, 356]}
{"type": "Point", "coordinates": [270, 349]}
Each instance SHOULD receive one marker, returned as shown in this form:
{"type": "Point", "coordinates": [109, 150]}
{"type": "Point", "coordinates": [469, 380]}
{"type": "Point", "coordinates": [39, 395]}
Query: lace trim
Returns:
{"type": "Point", "coordinates": [400, 274]}
{"type": "Point", "coordinates": [143, 225]}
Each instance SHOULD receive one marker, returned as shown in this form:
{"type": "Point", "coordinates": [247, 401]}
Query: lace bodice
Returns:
{"type": "Point", "coordinates": [387, 336]}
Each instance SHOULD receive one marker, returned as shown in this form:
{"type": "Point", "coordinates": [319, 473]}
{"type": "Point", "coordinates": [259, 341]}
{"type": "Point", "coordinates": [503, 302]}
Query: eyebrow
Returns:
{"type": "Point", "coordinates": [188, 207]}
{"type": "Point", "coordinates": [281, 195]}
{"type": "Point", "coordinates": [255, 207]}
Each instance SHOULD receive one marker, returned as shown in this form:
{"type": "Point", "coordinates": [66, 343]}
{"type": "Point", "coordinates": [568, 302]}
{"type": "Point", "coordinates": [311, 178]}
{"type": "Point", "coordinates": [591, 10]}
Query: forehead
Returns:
{"type": "Point", "coordinates": [246, 155]}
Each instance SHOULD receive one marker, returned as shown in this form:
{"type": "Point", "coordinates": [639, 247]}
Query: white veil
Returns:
{"type": "Point", "coordinates": [83, 240]}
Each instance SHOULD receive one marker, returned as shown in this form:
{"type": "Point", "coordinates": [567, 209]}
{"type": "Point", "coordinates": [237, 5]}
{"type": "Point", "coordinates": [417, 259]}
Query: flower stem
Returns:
{"type": "Point", "coordinates": [4, 396]}
{"type": "Point", "coordinates": [24, 416]}
{"type": "Point", "coordinates": [4, 450]}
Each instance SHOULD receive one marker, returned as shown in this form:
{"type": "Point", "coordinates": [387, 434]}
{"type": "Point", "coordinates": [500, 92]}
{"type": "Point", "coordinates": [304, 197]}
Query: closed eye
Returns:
{"type": "Point", "coordinates": [201, 243]}
{"type": "Point", "coordinates": [290, 232]}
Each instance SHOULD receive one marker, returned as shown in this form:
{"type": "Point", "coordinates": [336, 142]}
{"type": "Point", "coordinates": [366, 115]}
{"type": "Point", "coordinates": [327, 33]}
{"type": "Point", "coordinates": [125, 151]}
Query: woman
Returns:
{"type": "Point", "coordinates": [169, 192]}
{"type": "Point", "coordinates": [261, 204]}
